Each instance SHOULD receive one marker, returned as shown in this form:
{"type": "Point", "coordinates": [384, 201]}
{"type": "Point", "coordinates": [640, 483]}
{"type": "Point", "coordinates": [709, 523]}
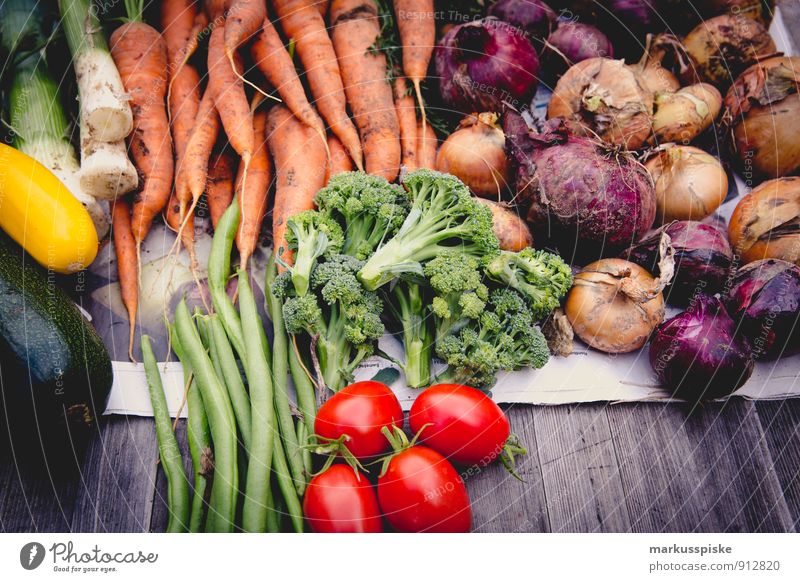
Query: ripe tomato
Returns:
{"type": "Point", "coordinates": [466, 425]}
{"type": "Point", "coordinates": [422, 492]}
{"type": "Point", "coordinates": [360, 411]}
{"type": "Point", "coordinates": [341, 501]}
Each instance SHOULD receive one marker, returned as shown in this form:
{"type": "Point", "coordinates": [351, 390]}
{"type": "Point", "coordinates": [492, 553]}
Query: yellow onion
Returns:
{"type": "Point", "coordinates": [475, 154]}
{"type": "Point", "coordinates": [604, 98]}
{"type": "Point", "coordinates": [508, 226]}
{"type": "Point", "coordinates": [766, 223]}
{"type": "Point", "coordinates": [652, 73]}
{"type": "Point", "coordinates": [763, 110]}
{"type": "Point", "coordinates": [690, 183]}
{"type": "Point", "coordinates": [720, 48]}
{"type": "Point", "coordinates": [685, 114]}
{"type": "Point", "coordinates": [614, 305]}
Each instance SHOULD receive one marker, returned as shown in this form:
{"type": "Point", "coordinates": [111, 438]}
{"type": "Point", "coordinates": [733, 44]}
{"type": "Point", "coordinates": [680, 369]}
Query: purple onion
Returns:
{"type": "Point", "coordinates": [698, 354]}
{"type": "Point", "coordinates": [583, 197]}
{"type": "Point", "coordinates": [484, 64]}
{"type": "Point", "coordinates": [764, 297]}
{"type": "Point", "coordinates": [702, 258]}
{"type": "Point", "coordinates": [533, 16]}
{"type": "Point", "coordinates": [573, 42]}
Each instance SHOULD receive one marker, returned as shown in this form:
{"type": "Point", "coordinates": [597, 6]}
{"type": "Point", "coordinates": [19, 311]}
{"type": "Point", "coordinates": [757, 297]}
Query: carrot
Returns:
{"type": "Point", "coordinates": [127, 264]}
{"type": "Point", "coordinates": [184, 226]}
{"type": "Point", "coordinates": [177, 20]}
{"type": "Point", "coordinates": [253, 196]}
{"type": "Point", "coordinates": [302, 22]}
{"type": "Point", "coordinates": [322, 6]}
{"type": "Point", "coordinates": [416, 23]}
{"type": "Point", "coordinates": [216, 8]}
{"type": "Point", "coordinates": [407, 120]}
{"type": "Point", "coordinates": [339, 159]}
{"type": "Point", "coordinates": [243, 21]}
{"type": "Point", "coordinates": [141, 58]}
{"type": "Point", "coordinates": [426, 146]}
{"type": "Point", "coordinates": [355, 29]}
{"type": "Point", "coordinates": [219, 188]}
{"type": "Point", "coordinates": [274, 62]}
{"type": "Point", "coordinates": [299, 158]}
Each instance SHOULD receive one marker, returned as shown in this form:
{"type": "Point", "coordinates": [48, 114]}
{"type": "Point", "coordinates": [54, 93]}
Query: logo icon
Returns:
{"type": "Point", "coordinates": [31, 555]}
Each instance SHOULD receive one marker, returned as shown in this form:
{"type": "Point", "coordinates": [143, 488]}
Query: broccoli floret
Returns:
{"type": "Point", "coordinates": [371, 209]}
{"type": "Point", "coordinates": [443, 216]}
{"type": "Point", "coordinates": [409, 318]}
{"type": "Point", "coordinates": [544, 278]}
{"type": "Point", "coordinates": [311, 235]}
{"type": "Point", "coordinates": [348, 321]}
{"type": "Point", "coordinates": [460, 294]}
{"type": "Point", "coordinates": [504, 337]}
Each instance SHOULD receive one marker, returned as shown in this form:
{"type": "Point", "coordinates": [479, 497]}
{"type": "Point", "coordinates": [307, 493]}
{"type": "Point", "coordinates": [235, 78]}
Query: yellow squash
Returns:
{"type": "Point", "coordinates": [38, 212]}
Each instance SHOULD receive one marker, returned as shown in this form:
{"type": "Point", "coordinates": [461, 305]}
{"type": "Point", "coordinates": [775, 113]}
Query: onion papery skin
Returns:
{"type": "Point", "coordinates": [699, 354]}
{"type": "Point", "coordinates": [764, 297]}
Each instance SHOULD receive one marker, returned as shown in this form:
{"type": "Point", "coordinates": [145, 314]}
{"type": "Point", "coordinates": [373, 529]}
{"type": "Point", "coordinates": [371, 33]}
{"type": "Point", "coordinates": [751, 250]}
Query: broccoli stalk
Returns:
{"type": "Point", "coordinates": [443, 217]}
{"type": "Point", "coordinates": [408, 305]}
{"type": "Point", "coordinates": [311, 234]}
{"type": "Point", "coordinates": [544, 278]}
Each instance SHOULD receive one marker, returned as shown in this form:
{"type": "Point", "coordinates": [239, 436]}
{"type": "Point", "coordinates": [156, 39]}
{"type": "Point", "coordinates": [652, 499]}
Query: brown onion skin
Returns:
{"type": "Point", "coordinates": [721, 47]}
{"type": "Point", "coordinates": [508, 226]}
{"type": "Point", "coordinates": [604, 317]}
{"type": "Point", "coordinates": [764, 126]}
{"type": "Point", "coordinates": [760, 10]}
{"type": "Point", "coordinates": [755, 227]}
{"type": "Point", "coordinates": [764, 296]}
{"type": "Point", "coordinates": [683, 115]}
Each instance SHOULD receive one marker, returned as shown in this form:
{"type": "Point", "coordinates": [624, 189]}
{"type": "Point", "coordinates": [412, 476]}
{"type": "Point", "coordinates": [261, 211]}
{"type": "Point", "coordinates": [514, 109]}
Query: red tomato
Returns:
{"type": "Point", "coordinates": [422, 492]}
{"type": "Point", "coordinates": [360, 411]}
{"type": "Point", "coordinates": [466, 425]}
{"type": "Point", "coordinates": [341, 501]}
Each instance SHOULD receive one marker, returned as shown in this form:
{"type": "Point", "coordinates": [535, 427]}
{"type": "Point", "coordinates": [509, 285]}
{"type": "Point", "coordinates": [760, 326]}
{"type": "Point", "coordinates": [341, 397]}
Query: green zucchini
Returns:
{"type": "Point", "coordinates": [55, 370]}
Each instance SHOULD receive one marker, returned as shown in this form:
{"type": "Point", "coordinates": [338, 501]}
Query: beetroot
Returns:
{"type": "Point", "coordinates": [582, 196]}
{"type": "Point", "coordinates": [764, 296]}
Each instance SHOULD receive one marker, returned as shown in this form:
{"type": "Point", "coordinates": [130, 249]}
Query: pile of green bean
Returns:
{"type": "Point", "coordinates": [247, 448]}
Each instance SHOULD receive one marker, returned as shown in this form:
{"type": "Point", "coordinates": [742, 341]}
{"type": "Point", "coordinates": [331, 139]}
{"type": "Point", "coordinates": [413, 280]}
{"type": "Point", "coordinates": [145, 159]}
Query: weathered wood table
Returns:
{"type": "Point", "coordinates": [600, 467]}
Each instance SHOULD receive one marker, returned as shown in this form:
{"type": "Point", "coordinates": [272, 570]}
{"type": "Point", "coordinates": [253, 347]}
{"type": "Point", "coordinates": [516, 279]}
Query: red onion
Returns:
{"type": "Point", "coordinates": [533, 16]}
{"type": "Point", "coordinates": [484, 64]}
{"type": "Point", "coordinates": [582, 195]}
{"type": "Point", "coordinates": [573, 42]}
{"type": "Point", "coordinates": [629, 21]}
{"type": "Point", "coordinates": [702, 258]}
{"type": "Point", "coordinates": [698, 354]}
{"type": "Point", "coordinates": [765, 298]}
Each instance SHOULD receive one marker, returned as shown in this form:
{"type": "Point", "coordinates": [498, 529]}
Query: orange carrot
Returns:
{"type": "Point", "coordinates": [141, 58]}
{"type": "Point", "coordinates": [302, 22]}
{"type": "Point", "coordinates": [127, 264]}
{"type": "Point", "coordinates": [416, 23]}
{"type": "Point", "coordinates": [426, 146]}
{"type": "Point", "coordinates": [299, 171]}
{"type": "Point", "coordinates": [339, 159]}
{"type": "Point", "coordinates": [407, 120]}
{"type": "Point", "coordinates": [227, 89]}
{"type": "Point", "coordinates": [177, 20]}
{"type": "Point", "coordinates": [216, 8]}
{"type": "Point", "coordinates": [322, 6]}
{"type": "Point", "coordinates": [219, 189]}
{"type": "Point", "coordinates": [193, 165]}
{"type": "Point", "coordinates": [182, 225]}
{"type": "Point", "coordinates": [253, 196]}
{"type": "Point", "coordinates": [274, 62]}
{"type": "Point", "coordinates": [243, 21]}
{"type": "Point", "coordinates": [355, 30]}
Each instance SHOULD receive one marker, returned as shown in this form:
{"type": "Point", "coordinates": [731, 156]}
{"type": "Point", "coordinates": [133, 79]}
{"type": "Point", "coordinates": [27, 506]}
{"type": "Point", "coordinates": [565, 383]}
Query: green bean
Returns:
{"type": "Point", "coordinates": [302, 437]}
{"type": "Point", "coordinates": [219, 268]}
{"type": "Point", "coordinates": [259, 379]}
{"type": "Point", "coordinates": [222, 510]}
{"type": "Point", "coordinates": [303, 387]}
{"type": "Point", "coordinates": [232, 378]}
{"type": "Point", "coordinates": [280, 372]}
{"type": "Point", "coordinates": [199, 437]}
{"type": "Point", "coordinates": [287, 487]}
{"type": "Point", "coordinates": [168, 450]}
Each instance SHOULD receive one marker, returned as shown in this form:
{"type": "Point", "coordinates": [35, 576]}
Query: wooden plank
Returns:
{"type": "Point", "coordinates": [580, 470]}
{"type": "Point", "coordinates": [502, 503]}
{"type": "Point", "coordinates": [780, 421]}
{"type": "Point", "coordinates": [160, 516]}
{"type": "Point", "coordinates": [116, 487]}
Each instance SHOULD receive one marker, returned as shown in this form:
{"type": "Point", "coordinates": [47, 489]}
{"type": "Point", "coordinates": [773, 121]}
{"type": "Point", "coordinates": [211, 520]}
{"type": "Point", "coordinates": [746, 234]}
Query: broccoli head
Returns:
{"type": "Point", "coordinates": [370, 208]}
{"type": "Point", "coordinates": [311, 235]}
{"type": "Point", "coordinates": [504, 337]}
{"type": "Point", "coordinates": [443, 216]}
{"type": "Point", "coordinates": [544, 278]}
